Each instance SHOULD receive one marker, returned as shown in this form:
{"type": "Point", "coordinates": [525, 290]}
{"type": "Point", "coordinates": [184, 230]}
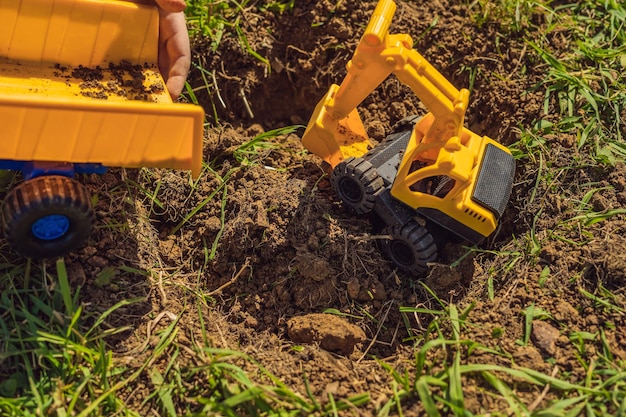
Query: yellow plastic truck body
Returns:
{"type": "Point", "coordinates": [79, 83]}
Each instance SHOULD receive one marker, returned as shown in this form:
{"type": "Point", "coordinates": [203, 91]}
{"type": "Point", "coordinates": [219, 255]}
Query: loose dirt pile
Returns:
{"type": "Point", "coordinates": [123, 80]}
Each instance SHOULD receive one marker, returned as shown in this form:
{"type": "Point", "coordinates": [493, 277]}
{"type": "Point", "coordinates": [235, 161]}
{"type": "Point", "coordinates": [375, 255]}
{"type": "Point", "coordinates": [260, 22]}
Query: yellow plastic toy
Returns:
{"type": "Point", "coordinates": [432, 175]}
{"type": "Point", "coordinates": [80, 90]}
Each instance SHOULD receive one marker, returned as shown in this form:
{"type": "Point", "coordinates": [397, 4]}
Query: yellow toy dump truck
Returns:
{"type": "Point", "coordinates": [80, 91]}
{"type": "Point", "coordinates": [431, 176]}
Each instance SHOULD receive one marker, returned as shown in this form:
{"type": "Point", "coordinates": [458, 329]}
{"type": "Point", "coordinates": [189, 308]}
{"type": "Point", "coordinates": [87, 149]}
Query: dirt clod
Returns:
{"type": "Point", "coordinates": [331, 332]}
{"type": "Point", "coordinates": [313, 267]}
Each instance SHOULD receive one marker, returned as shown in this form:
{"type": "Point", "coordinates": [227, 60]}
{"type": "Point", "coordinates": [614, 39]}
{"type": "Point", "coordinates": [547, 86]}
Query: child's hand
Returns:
{"type": "Point", "coordinates": [172, 5]}
{"type": "Point", "coordinates": [174, 49]}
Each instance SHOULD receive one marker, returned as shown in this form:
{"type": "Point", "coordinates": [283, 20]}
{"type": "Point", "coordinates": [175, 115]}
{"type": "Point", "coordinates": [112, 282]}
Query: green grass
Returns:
{"type": "Point", "coordinates": [584, 99]}
{"type": "Point", "coordinates": [215, 19]}
{"type": "Point", "coordinates": [443, 358]}
{"type": "Point", "coordinates": [249, 152]}
{"type": "Point", "coordinates": [54, 355]}
{"type": "Point", "coordinates": [585, 87]}
{"type": "Point", "coordinates": [512, 15]}
{"type": "Point", "coordinates": [56, 359]}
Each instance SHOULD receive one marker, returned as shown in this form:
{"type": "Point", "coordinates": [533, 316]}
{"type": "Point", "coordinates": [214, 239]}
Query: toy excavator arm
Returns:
{"type": "Point", "coordinates": [336, 131]}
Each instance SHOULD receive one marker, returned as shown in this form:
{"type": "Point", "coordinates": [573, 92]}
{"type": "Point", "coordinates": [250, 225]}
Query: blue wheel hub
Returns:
{"type": "Point", "coordinates": [51, 227]}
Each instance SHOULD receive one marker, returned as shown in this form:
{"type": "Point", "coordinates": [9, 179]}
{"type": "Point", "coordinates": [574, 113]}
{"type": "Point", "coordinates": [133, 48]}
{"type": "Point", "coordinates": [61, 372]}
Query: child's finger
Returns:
{"type": "Point", "coordinates": [172, 5]}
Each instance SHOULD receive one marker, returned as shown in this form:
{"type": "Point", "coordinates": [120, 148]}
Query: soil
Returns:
{"type": "Point", "coordinates": [296, 280]}
{"type": "Point", "coordinates": [123, 81]}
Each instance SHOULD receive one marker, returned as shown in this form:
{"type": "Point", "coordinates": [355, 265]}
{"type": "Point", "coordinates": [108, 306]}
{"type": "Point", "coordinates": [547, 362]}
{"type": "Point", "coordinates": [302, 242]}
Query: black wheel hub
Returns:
{"type": "Point", "coordinates": [402, 253]}
{"type": "Point", "coordinates": [350, 190]}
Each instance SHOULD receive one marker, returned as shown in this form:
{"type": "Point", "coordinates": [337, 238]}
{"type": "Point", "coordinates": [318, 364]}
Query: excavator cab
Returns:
{"type": "Point", "coordinates": [430, 171]}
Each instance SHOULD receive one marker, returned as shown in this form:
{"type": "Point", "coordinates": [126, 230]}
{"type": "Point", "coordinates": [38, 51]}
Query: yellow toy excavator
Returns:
{"type": "Point", "coordinates": [431, 174]}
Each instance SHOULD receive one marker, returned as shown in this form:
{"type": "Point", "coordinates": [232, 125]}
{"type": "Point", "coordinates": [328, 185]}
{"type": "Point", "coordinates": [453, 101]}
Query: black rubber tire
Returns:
{"type": "Point", "coordinates": [33, 200]}
{"type": "Point", "coordinates": [357, 183]}
{"type": "Point", "coordinates": [411, 247]}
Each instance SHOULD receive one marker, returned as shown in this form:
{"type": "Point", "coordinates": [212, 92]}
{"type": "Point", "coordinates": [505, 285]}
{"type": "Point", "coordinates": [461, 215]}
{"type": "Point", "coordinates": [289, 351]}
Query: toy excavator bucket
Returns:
{"type": "Point", "coordinates": [334, 139]}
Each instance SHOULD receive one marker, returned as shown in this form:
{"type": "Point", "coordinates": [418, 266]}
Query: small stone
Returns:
{"type": "Point", "coordinates": [76, 273]}
{"type": "Point", "coordinates": [251, 321]}
{"type": "Point", "coordinates": [592, 319]}
{"type": "Point", "coordinates": [313, 243]}
{"type": "Point", "coordinates": [378, 291]}
{"type": "Point", "coordinates": [98, 261]}
{"type": "Point", "coordinates": [213, 224]}
{"type": "Point", "coordinates": [545, 337]}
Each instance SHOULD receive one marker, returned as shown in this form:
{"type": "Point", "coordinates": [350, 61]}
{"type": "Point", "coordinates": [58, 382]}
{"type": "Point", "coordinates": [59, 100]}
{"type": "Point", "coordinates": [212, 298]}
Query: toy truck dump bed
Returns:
{"type": "Point", "coordinates": [79, 84]}
{"type": "Point", "coordinates": [80, 90]}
